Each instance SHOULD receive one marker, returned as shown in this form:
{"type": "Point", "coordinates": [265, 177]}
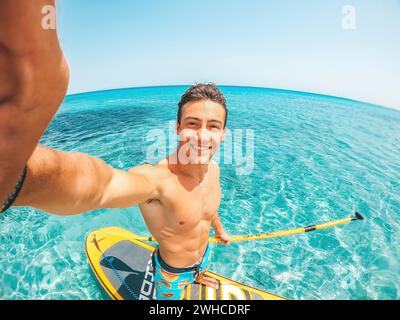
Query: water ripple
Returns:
{"type": "Point", "coordinates": [317, 158]}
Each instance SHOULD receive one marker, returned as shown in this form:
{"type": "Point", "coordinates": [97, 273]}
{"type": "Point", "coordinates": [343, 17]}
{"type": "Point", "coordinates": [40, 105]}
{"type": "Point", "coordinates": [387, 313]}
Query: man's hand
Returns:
{"type": "Point", "coordinates": [224, 237]}
{"type": "Point", "coordinates": [34, 78]}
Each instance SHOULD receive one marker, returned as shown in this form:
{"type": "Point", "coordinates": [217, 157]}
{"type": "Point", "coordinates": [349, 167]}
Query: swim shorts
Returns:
{"type": "Point", "coordinates": [170, 282]}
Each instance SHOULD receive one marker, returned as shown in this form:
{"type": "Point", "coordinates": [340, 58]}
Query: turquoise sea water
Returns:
{"type": "Point", "coordinates": [317, 158]}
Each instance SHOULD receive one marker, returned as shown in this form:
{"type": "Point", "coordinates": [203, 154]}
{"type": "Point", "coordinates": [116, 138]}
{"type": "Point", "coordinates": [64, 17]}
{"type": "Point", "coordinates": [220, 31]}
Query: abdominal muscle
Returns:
{"type": "Point", "coordinates": [183, 251]}
{"type": "Point", "coordinates": [179, 246]}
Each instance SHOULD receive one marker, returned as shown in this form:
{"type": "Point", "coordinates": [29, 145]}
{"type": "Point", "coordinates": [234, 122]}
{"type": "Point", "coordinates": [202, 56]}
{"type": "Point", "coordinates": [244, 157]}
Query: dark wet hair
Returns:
{"type": "Point", "coordinates": [202, 91]}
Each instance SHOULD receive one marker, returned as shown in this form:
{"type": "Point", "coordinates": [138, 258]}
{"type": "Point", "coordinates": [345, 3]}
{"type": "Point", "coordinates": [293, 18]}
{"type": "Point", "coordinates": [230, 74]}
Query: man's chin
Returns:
{"type": "Point", "coordinates": [202, 159]}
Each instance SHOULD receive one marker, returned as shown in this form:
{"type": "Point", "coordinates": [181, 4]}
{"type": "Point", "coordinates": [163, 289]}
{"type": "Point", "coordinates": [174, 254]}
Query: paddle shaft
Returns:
{"type": "Point", "coordinates": [278, 234]}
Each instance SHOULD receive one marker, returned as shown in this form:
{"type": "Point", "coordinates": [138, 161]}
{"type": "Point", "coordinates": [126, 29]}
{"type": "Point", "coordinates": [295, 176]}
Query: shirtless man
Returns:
{"type": "Point", "coordinates": [179, 197]}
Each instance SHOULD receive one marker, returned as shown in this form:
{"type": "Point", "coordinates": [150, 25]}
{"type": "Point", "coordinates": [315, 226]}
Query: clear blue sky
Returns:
{"type": "Point", "coordinates": [296, 45]}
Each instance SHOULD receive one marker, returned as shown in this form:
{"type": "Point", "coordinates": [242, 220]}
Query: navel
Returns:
{"type": "Point", "coordinates": [181, 223]}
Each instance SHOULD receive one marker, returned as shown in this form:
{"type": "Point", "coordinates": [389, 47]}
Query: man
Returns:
{"type": "Point", "coordinates": [33, 81]}
{"type": "Point", "coordinates": [179, 197]}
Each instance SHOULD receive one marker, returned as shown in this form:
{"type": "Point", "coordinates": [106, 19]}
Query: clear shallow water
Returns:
{"type": "Point", "coordinates": [317, 158]}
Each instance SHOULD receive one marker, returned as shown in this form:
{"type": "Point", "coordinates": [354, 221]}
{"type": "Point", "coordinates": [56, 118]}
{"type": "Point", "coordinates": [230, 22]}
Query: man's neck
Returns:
{"type": "Point", "coordinates": [196, 171]}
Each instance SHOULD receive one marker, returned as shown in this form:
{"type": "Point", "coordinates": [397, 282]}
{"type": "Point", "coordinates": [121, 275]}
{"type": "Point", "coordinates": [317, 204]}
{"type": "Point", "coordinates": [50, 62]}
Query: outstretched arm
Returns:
{"type": "Point", "coordinates": [67, 183]}
{"type": "Point", "coordinates": [33, 80]}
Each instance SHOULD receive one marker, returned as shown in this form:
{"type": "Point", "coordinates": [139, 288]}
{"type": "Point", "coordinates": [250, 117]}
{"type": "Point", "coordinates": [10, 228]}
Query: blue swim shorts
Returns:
{"type": "Point", "coordinates": [170, 282]}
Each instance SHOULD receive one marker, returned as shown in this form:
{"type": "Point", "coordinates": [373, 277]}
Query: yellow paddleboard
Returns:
{"type": "Point", "coordinates": [122, 265]}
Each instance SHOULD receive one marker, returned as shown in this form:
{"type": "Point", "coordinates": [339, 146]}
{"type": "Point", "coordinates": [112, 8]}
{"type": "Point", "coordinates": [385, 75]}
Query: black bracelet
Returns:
{"type": "Point", "coordinates": [14, 194]}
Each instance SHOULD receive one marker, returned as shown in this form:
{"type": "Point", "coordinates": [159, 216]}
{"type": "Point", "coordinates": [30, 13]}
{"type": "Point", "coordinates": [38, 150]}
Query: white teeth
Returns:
{"type": "Point", "coordinates": [199, 148]}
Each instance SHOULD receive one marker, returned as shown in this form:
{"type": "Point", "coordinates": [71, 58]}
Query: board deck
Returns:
{"type": "Point", "coordinates": [122, 265]}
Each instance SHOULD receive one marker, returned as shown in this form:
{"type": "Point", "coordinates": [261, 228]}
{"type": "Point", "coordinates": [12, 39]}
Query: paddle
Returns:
{"type": "Point", "coordinates": [277, 234]}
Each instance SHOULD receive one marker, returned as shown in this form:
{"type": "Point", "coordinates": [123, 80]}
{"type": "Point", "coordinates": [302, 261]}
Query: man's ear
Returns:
{"type": "Point", "coordinates": [177, 125]}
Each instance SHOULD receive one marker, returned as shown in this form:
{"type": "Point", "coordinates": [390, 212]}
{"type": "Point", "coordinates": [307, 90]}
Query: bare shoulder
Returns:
{"type": "Point", "coordinates": [154, 173]}
{"type": "Point", "coordinates": [159, 176]}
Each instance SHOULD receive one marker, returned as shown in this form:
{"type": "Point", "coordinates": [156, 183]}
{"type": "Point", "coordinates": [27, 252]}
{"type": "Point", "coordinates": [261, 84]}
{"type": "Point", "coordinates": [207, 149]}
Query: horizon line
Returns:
{"type": "Point", "coordinates": [238, 86]}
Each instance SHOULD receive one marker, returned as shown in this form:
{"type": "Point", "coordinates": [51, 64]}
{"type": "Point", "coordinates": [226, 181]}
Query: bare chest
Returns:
{"type": "Point", "coordinates": [183, 210]}
{"type": "Point", "coordinates": [189, 208]}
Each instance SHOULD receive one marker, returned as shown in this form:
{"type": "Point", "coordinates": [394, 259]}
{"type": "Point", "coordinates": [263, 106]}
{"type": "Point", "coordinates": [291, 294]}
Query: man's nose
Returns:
{"type": "Point", "coordinates": [204, 136]}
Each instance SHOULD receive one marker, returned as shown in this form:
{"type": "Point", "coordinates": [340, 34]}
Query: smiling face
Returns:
{"type": "Point", "coordinates": [201, 130]}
